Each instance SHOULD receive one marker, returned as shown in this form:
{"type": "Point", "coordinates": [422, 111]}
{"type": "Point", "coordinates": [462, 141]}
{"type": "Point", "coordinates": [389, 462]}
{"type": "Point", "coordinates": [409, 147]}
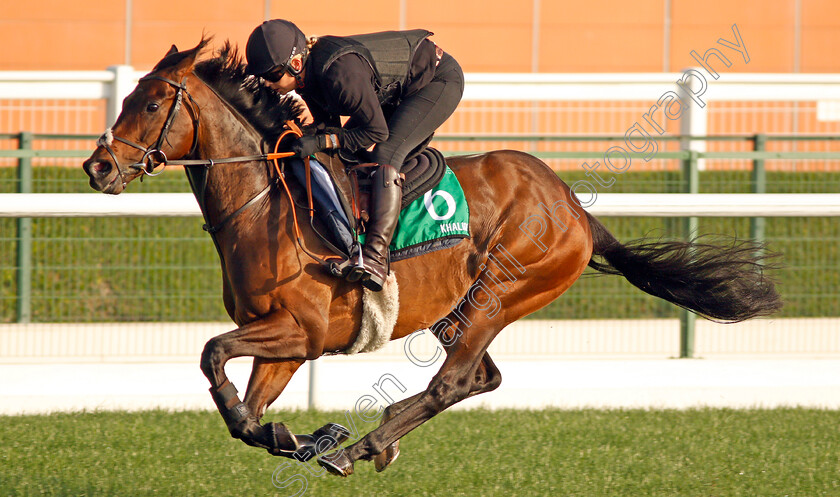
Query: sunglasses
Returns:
{"type": "Point", "coordinates": [273, 76]}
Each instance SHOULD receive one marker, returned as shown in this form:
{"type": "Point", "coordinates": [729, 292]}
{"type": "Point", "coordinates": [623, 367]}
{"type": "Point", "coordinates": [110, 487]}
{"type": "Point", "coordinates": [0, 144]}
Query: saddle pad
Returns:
{"type": "Point", "coordinates": [436, 220]}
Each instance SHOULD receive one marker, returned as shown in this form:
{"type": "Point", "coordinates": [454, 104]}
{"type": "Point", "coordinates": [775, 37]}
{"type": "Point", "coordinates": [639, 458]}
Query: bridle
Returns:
{"type": "Point", "coordinates": [153, 156]}
{"type": "Point", "coordinates": [147, 163]}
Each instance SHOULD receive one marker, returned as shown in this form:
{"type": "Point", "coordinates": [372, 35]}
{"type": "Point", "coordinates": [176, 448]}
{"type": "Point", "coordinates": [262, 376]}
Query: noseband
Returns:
{"type": "Point", "coordinates": [147, 163]}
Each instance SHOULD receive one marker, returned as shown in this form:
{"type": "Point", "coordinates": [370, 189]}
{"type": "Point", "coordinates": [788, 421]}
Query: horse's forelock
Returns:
{"type": "Point", "coordinates": [107, 139]}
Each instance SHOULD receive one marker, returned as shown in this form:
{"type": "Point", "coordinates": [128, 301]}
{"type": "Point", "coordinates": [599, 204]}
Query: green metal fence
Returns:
{"type": "Point", "coordinates": [165, 269]}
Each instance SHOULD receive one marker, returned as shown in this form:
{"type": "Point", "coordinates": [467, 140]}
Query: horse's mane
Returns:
{"type": "Point", "coordinates": [266, 109]}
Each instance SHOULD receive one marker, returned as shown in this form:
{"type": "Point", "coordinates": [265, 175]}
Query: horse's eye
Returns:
{"type": "Point", "coordinates": [152, 107]}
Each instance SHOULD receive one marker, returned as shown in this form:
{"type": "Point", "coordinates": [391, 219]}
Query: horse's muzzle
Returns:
{"type": "Point", "coordinates": [100, 172]}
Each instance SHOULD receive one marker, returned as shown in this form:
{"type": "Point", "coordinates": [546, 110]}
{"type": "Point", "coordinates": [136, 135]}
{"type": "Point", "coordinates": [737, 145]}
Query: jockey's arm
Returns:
{"type": "Point", "coordinates": [351, 87]}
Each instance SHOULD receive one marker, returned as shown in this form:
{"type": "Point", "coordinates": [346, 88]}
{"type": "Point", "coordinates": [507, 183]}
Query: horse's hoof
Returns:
{"type": "Point", "coordinates": [282, 441]}
{"type": "Point", "coordinates": [325, 439]}
{"type": "Point", "coordinates": [334, 430]}
{"type": "Point", "coordinates": [384, 459]}
{"type": "Point", "coordinates": [337, 463]}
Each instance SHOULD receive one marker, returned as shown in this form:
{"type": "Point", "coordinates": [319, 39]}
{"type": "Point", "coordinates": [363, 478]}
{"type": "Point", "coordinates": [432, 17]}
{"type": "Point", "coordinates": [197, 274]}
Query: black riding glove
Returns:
{"type": "Point", "coordinates": [308, 145]}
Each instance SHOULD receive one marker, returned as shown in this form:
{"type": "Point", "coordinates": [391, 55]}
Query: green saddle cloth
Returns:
{"type": "Point", "coordinates": [441, 212]}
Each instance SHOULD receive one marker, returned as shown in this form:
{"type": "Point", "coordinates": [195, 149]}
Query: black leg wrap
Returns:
{"type": "Point", "coordinates": [234, 411]}
{"type": "Point", "coordinates": [334, 430]}
{"type": "Point", "coordinates": [238, 413]}
{"type": "Point", "coordinates": [226, 392]}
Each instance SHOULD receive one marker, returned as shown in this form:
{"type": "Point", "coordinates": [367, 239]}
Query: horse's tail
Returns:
{"type": "Point", "coordinates": [722, 283]}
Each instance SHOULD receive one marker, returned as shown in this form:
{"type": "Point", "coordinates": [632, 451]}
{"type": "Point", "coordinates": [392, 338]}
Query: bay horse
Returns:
{"type": "Point", "coordinates": [529, 242]}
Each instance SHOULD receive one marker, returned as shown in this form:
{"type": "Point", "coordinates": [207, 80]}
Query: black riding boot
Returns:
{"type": "Point", "coordinates": [386, 194]}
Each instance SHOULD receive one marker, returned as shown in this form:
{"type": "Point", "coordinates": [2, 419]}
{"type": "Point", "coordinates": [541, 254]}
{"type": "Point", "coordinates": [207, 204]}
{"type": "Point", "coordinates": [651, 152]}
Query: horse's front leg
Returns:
{"type": "Point", "coordinates": [275, 337]}
{"type": "Point", "coordinates": [268, 380]}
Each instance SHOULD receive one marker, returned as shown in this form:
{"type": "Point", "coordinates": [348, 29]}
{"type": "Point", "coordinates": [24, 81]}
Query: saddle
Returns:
{"type": "Point", "coordinates": [337, 184]}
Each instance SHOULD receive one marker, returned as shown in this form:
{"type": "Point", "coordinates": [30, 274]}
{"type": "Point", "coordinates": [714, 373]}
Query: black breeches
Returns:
{"type": "Point", "coordinates": [418, 116]}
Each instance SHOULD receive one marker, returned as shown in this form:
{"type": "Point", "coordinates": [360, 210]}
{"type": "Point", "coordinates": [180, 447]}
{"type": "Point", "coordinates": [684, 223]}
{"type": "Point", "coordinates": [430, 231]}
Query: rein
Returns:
{"type": "Point", "coordinates": [296, 131]}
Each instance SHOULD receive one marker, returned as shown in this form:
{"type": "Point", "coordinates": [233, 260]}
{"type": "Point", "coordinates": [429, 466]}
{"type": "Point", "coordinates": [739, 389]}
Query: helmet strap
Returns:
{"type": "Point", "coordinates": [299, 80]}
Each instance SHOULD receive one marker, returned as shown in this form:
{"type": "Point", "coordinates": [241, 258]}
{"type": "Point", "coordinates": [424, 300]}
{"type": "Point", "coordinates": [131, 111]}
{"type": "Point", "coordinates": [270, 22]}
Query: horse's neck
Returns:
{"type": "Point", "coordinates": [227, 187]}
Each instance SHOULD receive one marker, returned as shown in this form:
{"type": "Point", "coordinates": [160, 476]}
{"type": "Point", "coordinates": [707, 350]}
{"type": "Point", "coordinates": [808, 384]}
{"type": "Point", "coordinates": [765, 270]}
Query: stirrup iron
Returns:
{"type": "Point", "coordinates": [357, 271]}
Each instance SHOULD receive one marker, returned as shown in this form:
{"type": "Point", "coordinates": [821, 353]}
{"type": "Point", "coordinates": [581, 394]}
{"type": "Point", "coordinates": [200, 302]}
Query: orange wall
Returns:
{"type": "Point", "coordinates": [485, 35]}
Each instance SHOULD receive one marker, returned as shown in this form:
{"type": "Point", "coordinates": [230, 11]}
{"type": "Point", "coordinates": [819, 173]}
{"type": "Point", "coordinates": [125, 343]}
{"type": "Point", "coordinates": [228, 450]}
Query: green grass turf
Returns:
{"type": "Point", "coordinates": [708, 452]}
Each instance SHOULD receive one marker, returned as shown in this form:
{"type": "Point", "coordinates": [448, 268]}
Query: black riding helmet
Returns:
{"type": "Point", "coordinates": [272, 45]}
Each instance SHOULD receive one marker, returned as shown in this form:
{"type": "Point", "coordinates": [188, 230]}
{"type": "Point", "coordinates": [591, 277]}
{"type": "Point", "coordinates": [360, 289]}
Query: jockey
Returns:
{"type": "Point", "coordinates": [396, 88]}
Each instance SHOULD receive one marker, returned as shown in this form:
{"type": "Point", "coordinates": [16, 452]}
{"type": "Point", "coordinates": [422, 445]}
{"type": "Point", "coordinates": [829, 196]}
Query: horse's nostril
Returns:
{"type": "Point", "coordinates": [97, 167]}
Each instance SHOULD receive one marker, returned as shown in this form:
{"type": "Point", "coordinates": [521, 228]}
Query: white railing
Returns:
{"type": "Point", "coordinates": [114, 81]}
{"type": "Point", "coordinates": [61, 367]}
{"type": "Point", "coordinates": [527, 87]}
{"type": "Point", "coordinates": [608, 204]}
{"type": "Point", "coordinates": [112, 85]}
{"type": "Point", "coordinates": [525, 339]}
{"type": "Point", "coordinates": [117, 82]}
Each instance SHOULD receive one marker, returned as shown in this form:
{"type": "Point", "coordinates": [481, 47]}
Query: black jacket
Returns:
{"type": "Point", "coordinates": [365, 77]}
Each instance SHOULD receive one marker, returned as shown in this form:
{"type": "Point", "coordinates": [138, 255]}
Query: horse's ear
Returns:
{"type": "Point", "coordinates": [189, 56]}
{"type": "Point", "coordinates": [180, 62]}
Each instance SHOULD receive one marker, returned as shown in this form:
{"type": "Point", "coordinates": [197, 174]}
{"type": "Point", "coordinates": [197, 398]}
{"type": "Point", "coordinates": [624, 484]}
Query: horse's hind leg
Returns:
{"type": "Point", "coordinates": [487, 378]}
{"type": "Point", "coordinates": [452, 383]}
{"type": "Point", "coordinates": [494, 301]}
